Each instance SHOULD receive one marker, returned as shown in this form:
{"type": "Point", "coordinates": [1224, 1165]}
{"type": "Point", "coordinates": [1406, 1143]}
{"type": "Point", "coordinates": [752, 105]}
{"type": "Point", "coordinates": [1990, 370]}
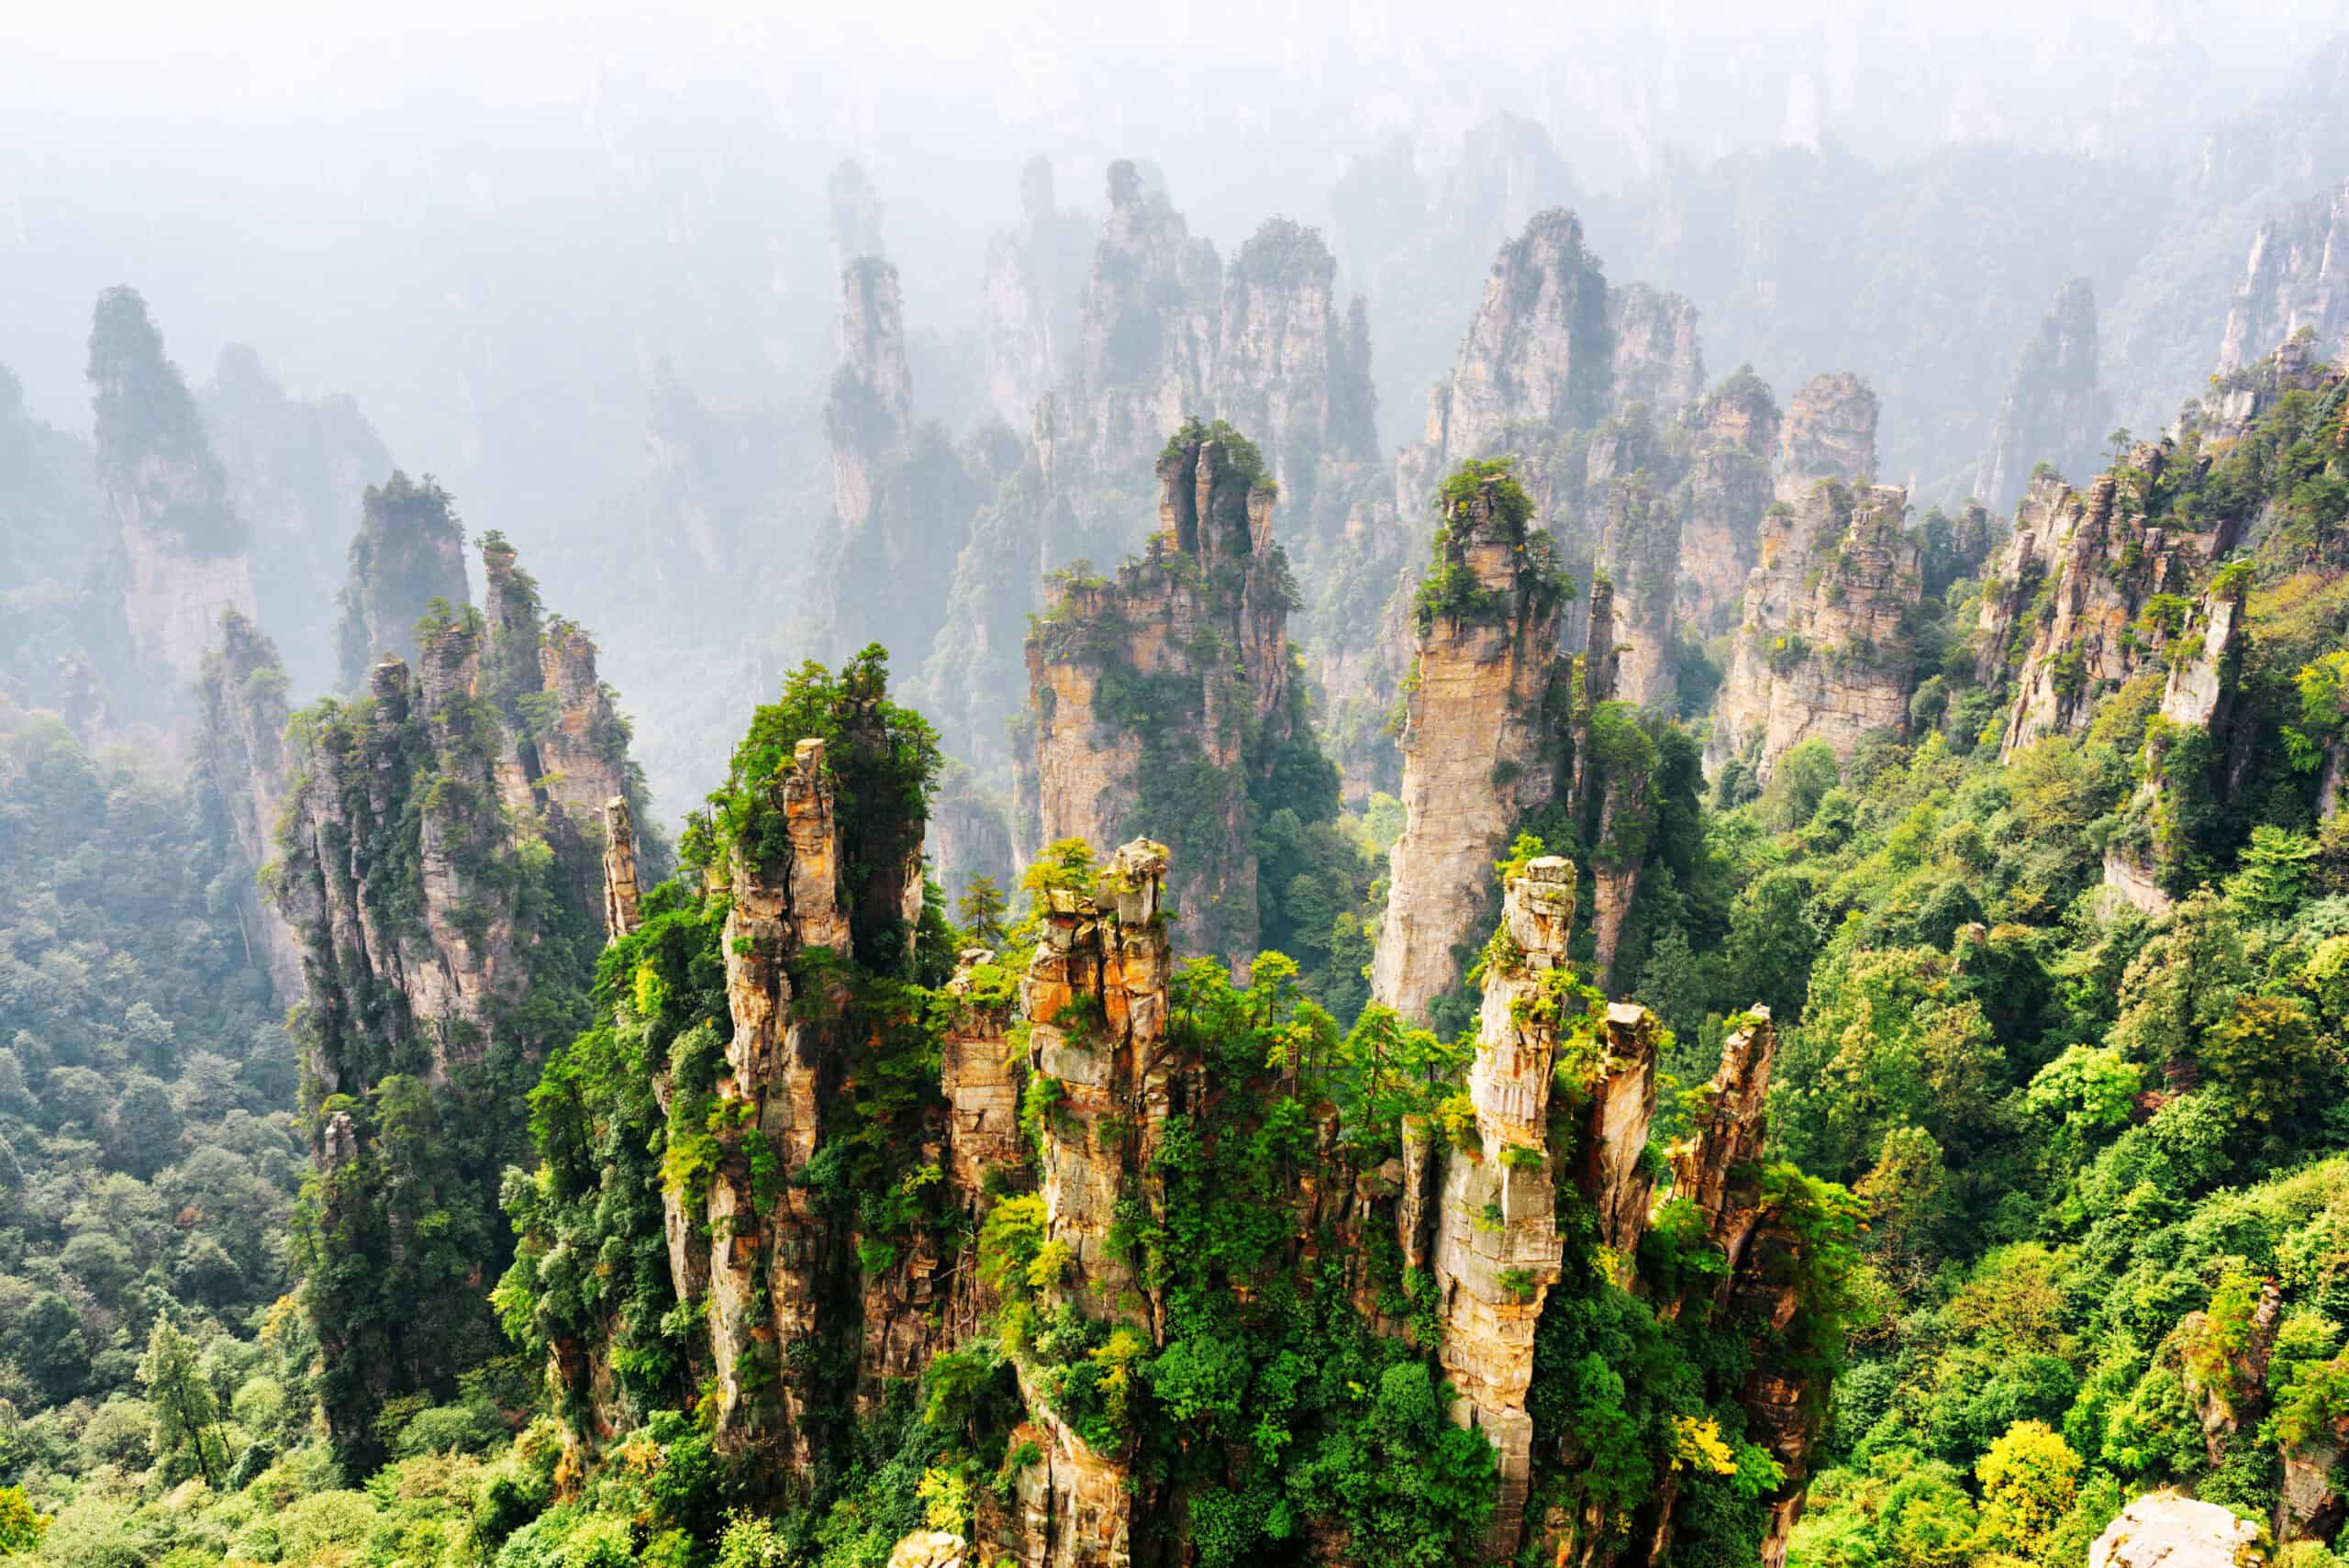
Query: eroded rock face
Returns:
{"type": "Point", "coordinates": [242, 748]}
{"type": "Point", "coordinates": [1498, 1249]}
{"type": "Point", "coordinates": [2144, 855]}
{"type": "Point", "coordinates": [1028, 296]}
{"type": "Point", "coordinates": [1095, 995]}
{"type": "Point", "coordinates": [412, 872]}
{"type": "Point", "coordinates": [2106, 563]}
{"type": "Point", "coordinates": [409, 550]}
{"type": "Point", "coordinates": [1828, 433]}
{"type": "Point", "coordinates": [2053, 411]}
{"type": "Point", "coordinates": [1197, 633]}
{"type": "Point", "coordinates": [181, 550]}
{"type": "Point", "coordinates": [1657, 359]}
{"type": "Point", "coordinates": [1824, 652]}
{"type": "Point", "coordinates": [2297, 276]}
{"type": "Point", "coordinates": [1538, 349]}
{"type": "Point", "coordinates": [1478, 753]}
{"type": "Point", "coordinates": [1729, 486]}
{"type": "Point", "coordinates": [1639, 552]}
{"type": "Point", "coordinates": [297, 469]}
{"type": "Point", "coordinates": [772, 1254]}
{"type": "Point", "coordinates": [1164, 333]}
{"type": "Point", "coordinates": [1292, 366]}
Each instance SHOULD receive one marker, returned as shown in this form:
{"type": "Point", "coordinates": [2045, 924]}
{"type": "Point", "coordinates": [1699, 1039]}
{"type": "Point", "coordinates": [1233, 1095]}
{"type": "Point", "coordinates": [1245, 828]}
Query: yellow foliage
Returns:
{"type": "Point", "coordinates": [1698, 1444]}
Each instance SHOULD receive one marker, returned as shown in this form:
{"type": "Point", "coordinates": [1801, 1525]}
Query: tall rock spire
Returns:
{"type": "Point", "coordinates": [408, 551]}
{"type": "Point", "coordinates": [181, 553]}
{"type": "Point", "coordinates": [1479, 734]}
{"type": "Point", "coordinates": [2054, 411]}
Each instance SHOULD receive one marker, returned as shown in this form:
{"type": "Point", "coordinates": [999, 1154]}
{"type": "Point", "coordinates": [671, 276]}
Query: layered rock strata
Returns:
{"type": "Point", "coordinates": [1095, 995]}
{"type": "Point", "coordinates": [1478, 742]}
{"type": "Point", "coordinates": [1734, 433]}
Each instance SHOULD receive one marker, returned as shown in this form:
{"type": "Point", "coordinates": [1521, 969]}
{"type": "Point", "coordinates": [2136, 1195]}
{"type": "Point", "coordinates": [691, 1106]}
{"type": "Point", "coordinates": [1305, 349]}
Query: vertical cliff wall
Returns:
{"type": "Point", "coordinates": [1539, 348]}
{"type": "Point", "coordinates": [1480, 731]}
{"type": "Point", "coordinates": [1734, 434]}
{"type": "Point", "coordinates": [2055, 410]}
{"type": "Point", "coordinates": [408, 551]}
{"type": "Point", "coordinates": [1825, 651]}
{"type": "Point", "coordinates": [441, 952]}
{"type": "Point", "coordinates": [1829, 432]}
{"type": "Point", "coordinates": [296, 470]}
{"type": "Point", "coordinates": [2297, 276]}
{"type": "Point", "coordinates": [901, 497]}
{"type": "Point", "coordinates": [1156, 699]}
{"type": "Point", "coordinates": [1498, 1248]}
{"type": "Point", "coordinates": [2064, 617]}
{"type": "Point", "coordinates": [2184, 751]}
{"type": "Point", "coordinates": [1639, 552]}
{"type": "Point", "coordinates": [1028, 296]}
{"type": "Point", "coordinates": [242, 749]}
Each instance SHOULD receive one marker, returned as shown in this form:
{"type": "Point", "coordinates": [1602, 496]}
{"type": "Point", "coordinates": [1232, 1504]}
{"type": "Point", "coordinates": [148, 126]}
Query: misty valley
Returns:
{"type": "Point", "coordinates": [1571, 864]}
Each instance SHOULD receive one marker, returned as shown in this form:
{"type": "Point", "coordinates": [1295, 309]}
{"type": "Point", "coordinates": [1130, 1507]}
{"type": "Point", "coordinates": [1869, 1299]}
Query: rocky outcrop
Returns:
{"type": "Point", "coordinates": [243, 749]}
{"type": "Point", "coordinates": [1028, 297]}
{"type": "Point", "coordinates": [970, 835]}
{"type": "Point", "coordinates": [2164, 1529]}
{"type": "Point", "coordinates": [1639, 552]}
{"type": "Point", "coordinates": [1733, 434]}
{"type": "Point", "coordinates": [1291, 367]}
{"type": "Point", "coordinates": [1718, 1170]}
{"type": "Point", "coordinates": [2054, 411]}
{"type": "Point", "coordinates": [180, 550]}
{"type": "Point", "coordinates": [1828, 433]}
{"type": "Point", "coordinates": [297, 468]}
{"type": "Point", "coordinates": [409, 550]}
{"type": "Point", "coordinates": [2183, 750]}
{"type": "Point", "coordinates": [1498, 1249]}
{"type": "Point", "coordinates": [1478, 742]}
{"type": "Point", "coordinates": [901, 497]}
{"type": "Point", "coordinates": [1095, 995]}
{"type": "Point", "coordinates": [621, 896]}
{"type": "Point", "coordinates": [772, 1253]}
{"type": "Point", "coordinates": [2088, 565]}
{"type": "Point", "coordinates": [1538, 349]}
{"type": "Point", "coordinates": [2296, 277]}
{"type": "Point", "coordinates": [1164, 333]}
{"type": "Point", "coordinates": [1824, 652]}
{"type": "Point", "coordinates": [2239, 396]}
{"type": "Point", "coordinates": [1144, 691]}
{"type": "Point", "coordinates": [1656, 359]}
{"type": "Point", "coordinates": [416, 873]}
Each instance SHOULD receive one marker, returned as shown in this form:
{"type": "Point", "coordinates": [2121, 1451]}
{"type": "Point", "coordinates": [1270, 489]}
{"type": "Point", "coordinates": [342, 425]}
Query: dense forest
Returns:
{"type": "Point", "coordinates": [1150, 982]}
